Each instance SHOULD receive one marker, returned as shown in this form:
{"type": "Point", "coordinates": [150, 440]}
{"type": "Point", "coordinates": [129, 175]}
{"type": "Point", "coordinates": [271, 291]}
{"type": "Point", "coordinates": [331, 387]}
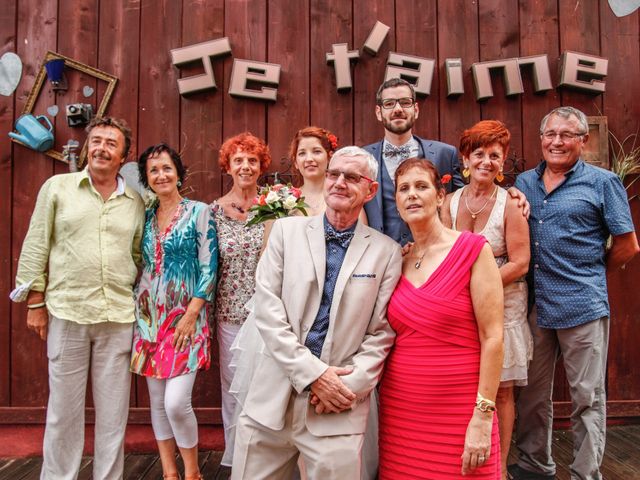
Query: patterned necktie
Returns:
{"type": "Point", "coordinates": [343, 238]}
{"type": "Point", "coordinates": [401, 153]}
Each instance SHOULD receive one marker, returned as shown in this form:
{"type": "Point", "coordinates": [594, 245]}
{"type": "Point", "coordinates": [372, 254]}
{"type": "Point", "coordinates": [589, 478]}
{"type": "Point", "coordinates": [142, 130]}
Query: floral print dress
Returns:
{"type": "Point", "coordinates": [178, 264]}
{"type": "Point", "coordinates": [240, 246]}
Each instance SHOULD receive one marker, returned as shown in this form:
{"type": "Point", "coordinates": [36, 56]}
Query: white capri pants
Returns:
{"type": "Point", "coordinates": [172, 415]}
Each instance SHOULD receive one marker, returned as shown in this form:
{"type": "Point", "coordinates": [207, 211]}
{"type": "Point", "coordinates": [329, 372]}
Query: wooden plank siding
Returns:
{"type": "Point", "coordinates": [132, 40]}
{"type": "Point", "coordinates": [7, 114]}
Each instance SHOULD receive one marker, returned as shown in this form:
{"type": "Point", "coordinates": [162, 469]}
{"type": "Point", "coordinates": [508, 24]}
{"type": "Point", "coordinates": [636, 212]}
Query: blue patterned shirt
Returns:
{"type": "Point", "coordinates": [569, 228]}
{"type": "Point", "coordinates": [334, 258]}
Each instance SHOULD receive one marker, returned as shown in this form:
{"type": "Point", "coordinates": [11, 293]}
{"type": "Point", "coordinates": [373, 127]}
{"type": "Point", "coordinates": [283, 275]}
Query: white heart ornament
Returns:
{"type": "Point", "coordinates": [622, 8]}
{"type": "Point", "coordinates": [87, 91]}
{"type": "Point", "coordinates": [53, 110]}
{"type": "Point", "coordinates": [10, 73]}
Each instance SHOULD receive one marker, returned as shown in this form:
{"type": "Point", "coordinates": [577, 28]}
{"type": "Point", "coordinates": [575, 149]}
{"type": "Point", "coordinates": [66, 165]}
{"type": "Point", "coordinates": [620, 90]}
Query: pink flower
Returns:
{"type": "Point", "coordinates": [296, 192]}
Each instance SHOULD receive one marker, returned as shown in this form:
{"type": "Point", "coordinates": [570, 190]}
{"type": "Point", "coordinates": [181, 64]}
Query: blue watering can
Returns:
{"type": "Point", "coordinates": [32, 133]}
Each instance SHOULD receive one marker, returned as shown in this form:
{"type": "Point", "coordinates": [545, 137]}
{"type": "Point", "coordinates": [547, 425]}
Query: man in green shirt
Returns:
{"type": "Point", "coordinates": [77, 269]}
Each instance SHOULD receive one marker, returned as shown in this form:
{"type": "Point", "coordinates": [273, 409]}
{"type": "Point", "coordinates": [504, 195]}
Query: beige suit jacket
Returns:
{"type": "Point", "coordinates": [289, 284]}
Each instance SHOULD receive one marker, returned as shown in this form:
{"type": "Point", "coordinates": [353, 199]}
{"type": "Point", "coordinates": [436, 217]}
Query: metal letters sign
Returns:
{"type": "Point", "coordinates": [341, 59]}
{"type": "Point", "coordinates": [245, 72]}
{"type": "Point", "coordinates": [482, 77]}
{"type": "Point", "coordinates": [417, 70]}
{"type": "Point", "coordinates": [199, 52]}
{"type": "Point", "coordinates": [582, 71]}
{"type": "Point", "coordinates": [577, 70]}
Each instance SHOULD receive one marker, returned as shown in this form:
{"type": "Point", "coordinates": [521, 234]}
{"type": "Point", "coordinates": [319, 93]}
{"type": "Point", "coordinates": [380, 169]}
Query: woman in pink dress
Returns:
{"type": "Point", "coordinates": [437, 397]}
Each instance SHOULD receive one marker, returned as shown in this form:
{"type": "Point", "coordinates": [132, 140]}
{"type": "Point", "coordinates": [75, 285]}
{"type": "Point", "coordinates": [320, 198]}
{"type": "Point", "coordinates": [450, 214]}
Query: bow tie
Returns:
{"type": "Point", "coordinates": [402, 152]}
{"type": "Point", "coordinates": [343, 238]}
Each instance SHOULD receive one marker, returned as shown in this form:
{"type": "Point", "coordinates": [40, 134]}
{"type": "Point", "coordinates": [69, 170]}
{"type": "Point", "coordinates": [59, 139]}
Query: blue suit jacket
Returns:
{"type": "Point", "coordinates": [443, 156]}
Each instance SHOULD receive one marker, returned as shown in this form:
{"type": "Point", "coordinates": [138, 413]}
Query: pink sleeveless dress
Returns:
{"type": "Point", "coordinates": [430, 381]}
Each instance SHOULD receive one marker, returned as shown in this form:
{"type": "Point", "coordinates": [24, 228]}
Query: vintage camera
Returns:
{"type": "Point", "coordinates": [79, 114]}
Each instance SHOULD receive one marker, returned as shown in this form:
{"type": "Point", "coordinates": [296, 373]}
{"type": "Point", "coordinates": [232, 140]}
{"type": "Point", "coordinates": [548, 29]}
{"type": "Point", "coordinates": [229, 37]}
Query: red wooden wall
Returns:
{"type": "Point", "coordinates": [132, 39]}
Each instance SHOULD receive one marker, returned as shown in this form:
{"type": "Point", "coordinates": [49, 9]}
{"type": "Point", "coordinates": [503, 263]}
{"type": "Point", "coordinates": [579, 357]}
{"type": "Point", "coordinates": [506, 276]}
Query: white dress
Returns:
{"type": "Point", "coordinates": [518, 342]}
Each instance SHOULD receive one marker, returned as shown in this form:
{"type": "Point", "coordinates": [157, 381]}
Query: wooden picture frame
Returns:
{"type": "Point", "coordinates": [596, 150]}
{"type": "Point", "coordinates": [75, 65]}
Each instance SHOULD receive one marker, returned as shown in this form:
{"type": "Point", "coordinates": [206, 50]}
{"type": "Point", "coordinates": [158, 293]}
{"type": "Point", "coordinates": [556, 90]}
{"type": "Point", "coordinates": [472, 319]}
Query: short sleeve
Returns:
{"type": "Point", "coordinates": [616, 211]}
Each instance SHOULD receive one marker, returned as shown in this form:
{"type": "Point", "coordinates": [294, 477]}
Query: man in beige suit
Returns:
{"type": "Point", "coordinates": [322, 288]}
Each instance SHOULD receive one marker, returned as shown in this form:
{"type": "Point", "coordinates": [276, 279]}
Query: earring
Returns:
{"type": "Point", "coordinates": [500, 176]}
{"type": "Point", "coordinates": [179, 184]}
{"type": "Point", "coordinates": [466, 172]}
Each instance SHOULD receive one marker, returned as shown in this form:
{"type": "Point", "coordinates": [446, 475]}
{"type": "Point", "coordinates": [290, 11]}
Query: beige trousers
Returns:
{"type": "Point", "coordinates": [73, 350]}
{"type": "Point", "coordinates": [262, 453]}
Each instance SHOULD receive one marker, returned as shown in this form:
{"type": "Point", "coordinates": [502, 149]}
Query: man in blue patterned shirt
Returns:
{"type": "Point", "coordinates": [575, 207]}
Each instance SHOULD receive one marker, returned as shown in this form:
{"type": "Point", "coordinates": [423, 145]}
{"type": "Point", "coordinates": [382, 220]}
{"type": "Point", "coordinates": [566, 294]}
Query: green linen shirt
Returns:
{"type": "Point", "coordinates": [83, 251]}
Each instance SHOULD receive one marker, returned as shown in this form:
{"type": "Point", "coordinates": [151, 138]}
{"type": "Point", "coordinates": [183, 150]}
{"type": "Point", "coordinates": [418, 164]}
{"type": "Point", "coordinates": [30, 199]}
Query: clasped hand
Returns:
{"type": "Point", "coordinates": [329, 394]}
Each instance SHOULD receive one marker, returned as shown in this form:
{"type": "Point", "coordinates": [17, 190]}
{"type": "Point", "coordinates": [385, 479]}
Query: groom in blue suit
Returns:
{"type": "Point", "coordinates": [397, 109]}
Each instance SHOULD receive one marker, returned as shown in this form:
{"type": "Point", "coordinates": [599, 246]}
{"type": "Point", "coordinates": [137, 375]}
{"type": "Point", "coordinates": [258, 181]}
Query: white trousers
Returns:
{"type": "Point", "coordinates": [264, 454]}
{"type": "Point", "coordinates": [172, 415]}
{"type": "Point", "coordinates": [226, 335]}
{"type": "Point", "coordinates": [73, 350]}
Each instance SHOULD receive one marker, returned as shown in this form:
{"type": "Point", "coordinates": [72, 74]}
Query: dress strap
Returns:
{"type": "Point", "coordinates": [453, 206]}
{"type": "Point", "coordinates": [456, 268]}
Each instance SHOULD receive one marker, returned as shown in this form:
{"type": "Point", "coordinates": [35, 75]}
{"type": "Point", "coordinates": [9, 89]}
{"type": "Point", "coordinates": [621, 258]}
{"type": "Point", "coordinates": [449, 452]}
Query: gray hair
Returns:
{"type": "Point", "coordinates": [353, 151]}
{"type": "Point", "coordinates": [566, 112]}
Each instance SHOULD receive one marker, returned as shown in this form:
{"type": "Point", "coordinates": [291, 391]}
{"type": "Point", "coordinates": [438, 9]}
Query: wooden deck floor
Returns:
{"type": "Point", "coordinates": [621, 460]}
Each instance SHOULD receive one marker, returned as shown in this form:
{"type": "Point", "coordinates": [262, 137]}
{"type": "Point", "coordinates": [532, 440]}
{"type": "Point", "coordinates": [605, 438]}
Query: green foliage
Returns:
{"type": "Point", "coordinates": [625, 158]}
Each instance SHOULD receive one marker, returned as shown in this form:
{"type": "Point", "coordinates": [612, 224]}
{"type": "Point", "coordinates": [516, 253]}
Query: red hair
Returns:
{"type": "Point", "coordinates": [327, 139]}
{"type": "Point", "coordinates": [483, 134]}
{"type": "Point", "coordinates": [248, 143]}
{"type": "Point", "coordinates": [421, 164]}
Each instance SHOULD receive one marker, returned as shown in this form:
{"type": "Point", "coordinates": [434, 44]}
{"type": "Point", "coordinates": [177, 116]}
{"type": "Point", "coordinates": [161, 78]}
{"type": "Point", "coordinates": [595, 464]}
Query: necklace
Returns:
{"type": "Point", "coordinates": [419, 262]}
{"type": "Point", "coordinates": [237, 207]}
{"type": "Point", "coordinates": [478, 212]}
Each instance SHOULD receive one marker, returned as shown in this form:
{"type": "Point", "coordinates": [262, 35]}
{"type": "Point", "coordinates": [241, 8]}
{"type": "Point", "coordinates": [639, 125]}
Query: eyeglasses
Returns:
{"type": "Point", "coordinates": [389, 103]}
{"type": "Point", "coordinates": [349, 177]}
{"type": "Point", "coordinates": [564, 136]}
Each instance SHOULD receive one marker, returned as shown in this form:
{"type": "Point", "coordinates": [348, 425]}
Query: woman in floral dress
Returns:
{"type": "Point", "coordinates": [244, 157]}
{"type": "Point", "coordinates": [171, 337]}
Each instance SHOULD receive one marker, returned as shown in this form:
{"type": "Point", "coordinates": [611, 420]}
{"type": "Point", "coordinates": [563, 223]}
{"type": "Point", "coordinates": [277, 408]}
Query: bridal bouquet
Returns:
{"type": "Point", "coordinates": [276, 201]}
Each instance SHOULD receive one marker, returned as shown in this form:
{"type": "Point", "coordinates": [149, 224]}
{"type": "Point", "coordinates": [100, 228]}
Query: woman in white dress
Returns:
{"type": "Point", "coordinates": [484, 207]}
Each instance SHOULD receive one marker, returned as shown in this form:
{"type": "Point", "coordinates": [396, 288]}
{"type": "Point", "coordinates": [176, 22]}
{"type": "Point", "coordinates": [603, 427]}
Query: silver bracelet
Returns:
{"type": "Point", "coordinates": [32, 306]}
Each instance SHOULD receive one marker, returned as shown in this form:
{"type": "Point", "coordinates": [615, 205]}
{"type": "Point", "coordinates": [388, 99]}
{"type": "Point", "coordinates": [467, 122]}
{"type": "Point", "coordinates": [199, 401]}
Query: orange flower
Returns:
{"type": "Point", "coordinates": [333, 140]}
{"type": "Point", "coordinates": [445, 179]}
{"type": "Point", "coordinates": [262, 200]}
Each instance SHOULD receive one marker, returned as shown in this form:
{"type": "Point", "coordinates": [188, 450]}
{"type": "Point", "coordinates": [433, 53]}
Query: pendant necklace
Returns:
{"type": "Point", "coordinates": [419, 262]}
{"type": "Point", "coordinates": [478, 212]}
{"type": "Point", "coordinates": [237, 207]}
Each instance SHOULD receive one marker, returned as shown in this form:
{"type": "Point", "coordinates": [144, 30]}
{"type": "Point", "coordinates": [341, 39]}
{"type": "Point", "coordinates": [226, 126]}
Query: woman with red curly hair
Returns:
{"type": "Point", "coordinates": [244, 158]}
{"type": "Point", "coordinates": [484, 207]}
